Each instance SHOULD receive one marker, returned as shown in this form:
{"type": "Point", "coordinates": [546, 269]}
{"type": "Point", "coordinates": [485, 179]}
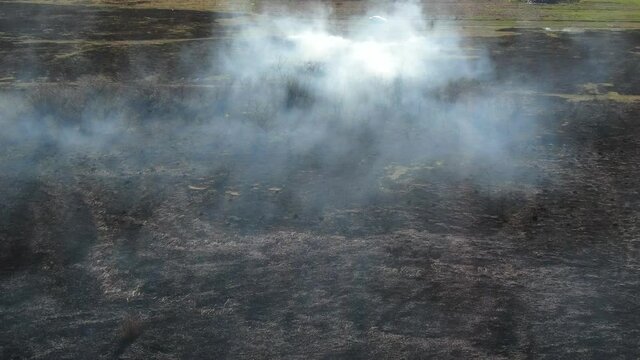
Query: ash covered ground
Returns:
{"type": "Point", "coordinates": [155, 206]}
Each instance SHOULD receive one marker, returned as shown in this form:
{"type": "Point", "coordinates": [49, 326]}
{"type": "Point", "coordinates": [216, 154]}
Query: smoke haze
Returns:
{"type": "Point", "coordinates": [329, 114]}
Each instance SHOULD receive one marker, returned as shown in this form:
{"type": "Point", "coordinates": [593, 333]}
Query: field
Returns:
{"type": "Point", "coordinates": [154, 206]}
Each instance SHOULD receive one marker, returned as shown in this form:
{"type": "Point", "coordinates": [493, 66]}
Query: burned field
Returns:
{"type": "Point", "coordinates": [154, 207]}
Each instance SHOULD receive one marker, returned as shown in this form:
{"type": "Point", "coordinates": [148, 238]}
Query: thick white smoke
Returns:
{"type": "Point", "coordinates": [404, 87]}
{"type": "Point", "coordinates": [403, 47]}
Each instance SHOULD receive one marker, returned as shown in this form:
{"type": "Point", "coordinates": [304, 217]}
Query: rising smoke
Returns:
{"type": "Point", "coordinates": [378, 92]}
{"type": "Point", "coordinates": [298, 96]}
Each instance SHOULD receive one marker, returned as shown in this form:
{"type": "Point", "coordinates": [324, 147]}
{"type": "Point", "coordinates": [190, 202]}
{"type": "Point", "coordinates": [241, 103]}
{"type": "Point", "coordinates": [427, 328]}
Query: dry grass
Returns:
{"type": "Point", "coordinates": [474, 16]}
{"type": "Point", "coordinates": [203, 5]}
